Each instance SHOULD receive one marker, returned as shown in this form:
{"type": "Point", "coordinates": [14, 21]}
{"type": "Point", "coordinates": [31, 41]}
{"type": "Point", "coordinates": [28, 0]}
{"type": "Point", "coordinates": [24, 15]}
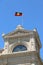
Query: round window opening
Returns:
{"type": "Point", "coordinates": [19, 48]}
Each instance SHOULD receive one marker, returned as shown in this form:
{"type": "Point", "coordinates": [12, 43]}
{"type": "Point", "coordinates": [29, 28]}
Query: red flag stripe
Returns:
{"type": "Point", "coordinates": [18, 14]}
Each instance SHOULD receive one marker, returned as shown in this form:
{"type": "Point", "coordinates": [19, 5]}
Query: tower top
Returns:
{"type": "Point", "coordinates": [19, 27]}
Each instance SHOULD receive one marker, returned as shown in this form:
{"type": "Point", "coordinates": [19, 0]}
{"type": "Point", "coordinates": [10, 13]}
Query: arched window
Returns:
{"type": "Point", "coordinates": [19, 48]}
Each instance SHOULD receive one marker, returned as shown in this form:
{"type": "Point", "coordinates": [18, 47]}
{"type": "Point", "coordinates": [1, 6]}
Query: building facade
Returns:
{"type": "Point", "coordinates": [21, 47]}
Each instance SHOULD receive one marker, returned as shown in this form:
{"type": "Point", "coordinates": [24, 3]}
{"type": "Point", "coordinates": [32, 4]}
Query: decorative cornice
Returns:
{"type": "Point", "coordinates": [19, 35]}
{"type": "Point", "coordinates": [16, 54]}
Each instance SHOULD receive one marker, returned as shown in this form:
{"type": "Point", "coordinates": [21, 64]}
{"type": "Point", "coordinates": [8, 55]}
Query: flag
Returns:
{"type": "Point", "coordinates": [18, 13]}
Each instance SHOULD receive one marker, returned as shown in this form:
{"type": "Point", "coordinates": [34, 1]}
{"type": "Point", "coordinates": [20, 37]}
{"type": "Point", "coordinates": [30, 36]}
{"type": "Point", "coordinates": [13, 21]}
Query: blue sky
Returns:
{"type": "Point", "coordinates": [32, 17]}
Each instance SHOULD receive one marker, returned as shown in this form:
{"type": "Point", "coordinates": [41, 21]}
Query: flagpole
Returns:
{"type": "Point", "coordinates": [19, 14]}
{"type": "Point", "coordinates": [22, 20]}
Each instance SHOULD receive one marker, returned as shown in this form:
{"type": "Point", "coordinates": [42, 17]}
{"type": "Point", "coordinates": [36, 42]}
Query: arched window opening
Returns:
{"type": "Point", "coordinates": [19, 48]}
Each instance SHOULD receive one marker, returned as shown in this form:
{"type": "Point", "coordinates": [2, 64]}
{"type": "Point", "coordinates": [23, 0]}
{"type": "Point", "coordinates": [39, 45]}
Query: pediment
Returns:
{"type": "Point", "coordinates": [20, 31]}
{"type": "Point", "coordinates": [16, 33]}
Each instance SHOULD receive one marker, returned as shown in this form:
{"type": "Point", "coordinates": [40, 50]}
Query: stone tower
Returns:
{"type": "Point", "coordinates": [21, 47]}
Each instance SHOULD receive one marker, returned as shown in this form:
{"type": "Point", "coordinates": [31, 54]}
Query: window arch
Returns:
{"type": "Point", "coordinates": [19, 48]}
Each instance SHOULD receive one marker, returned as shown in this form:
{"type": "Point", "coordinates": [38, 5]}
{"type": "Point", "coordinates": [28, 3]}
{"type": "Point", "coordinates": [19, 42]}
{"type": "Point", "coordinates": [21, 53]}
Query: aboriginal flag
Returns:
{"type": "Point", "coordinates": [18, 13]}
